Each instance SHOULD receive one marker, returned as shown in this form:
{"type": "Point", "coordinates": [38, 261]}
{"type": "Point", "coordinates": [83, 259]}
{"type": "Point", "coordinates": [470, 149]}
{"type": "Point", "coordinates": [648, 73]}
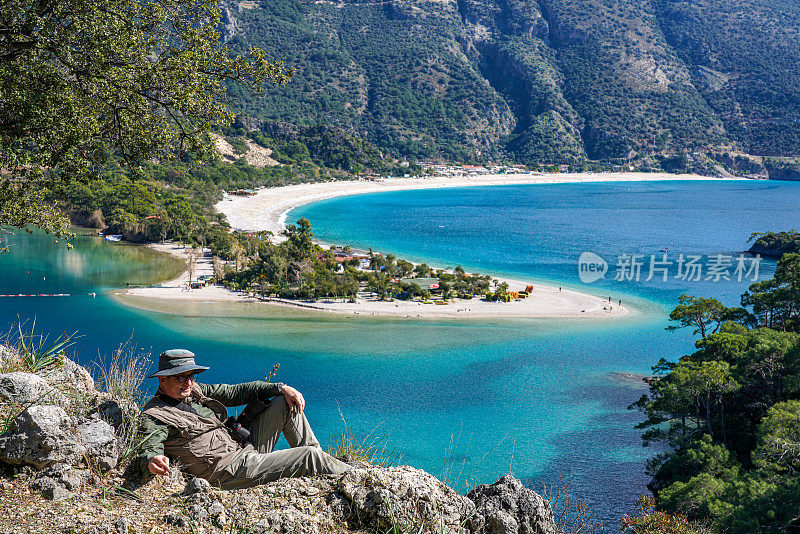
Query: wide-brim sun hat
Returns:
{"type": "Point", "coordinates": [177, 361]}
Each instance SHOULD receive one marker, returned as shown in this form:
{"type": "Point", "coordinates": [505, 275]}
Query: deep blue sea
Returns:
{"type": "Point", "coordinates": [466, 400]}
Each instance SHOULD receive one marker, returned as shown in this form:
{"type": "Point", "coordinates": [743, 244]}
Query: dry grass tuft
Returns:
{"type": "Point", "coordinates": [573, 514]}
{"type": "Point", "coordinates": [371, 449]}
{"type": "Point", "coordinates": [122, 374]}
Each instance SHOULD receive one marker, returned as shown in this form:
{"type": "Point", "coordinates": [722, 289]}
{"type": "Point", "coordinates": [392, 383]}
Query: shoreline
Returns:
{"type": "Point", "coordinates": [268, 210]}
{"type": "Point", "coordinates": [545, 301]}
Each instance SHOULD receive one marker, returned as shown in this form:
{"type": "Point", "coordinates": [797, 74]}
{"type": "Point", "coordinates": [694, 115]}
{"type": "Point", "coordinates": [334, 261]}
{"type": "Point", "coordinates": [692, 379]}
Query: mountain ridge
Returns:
{"type": "Point", "coordinates": [545, 81]}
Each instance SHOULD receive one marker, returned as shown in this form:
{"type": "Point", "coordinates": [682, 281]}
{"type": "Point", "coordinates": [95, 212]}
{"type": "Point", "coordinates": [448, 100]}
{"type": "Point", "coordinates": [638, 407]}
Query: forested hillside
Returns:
{"type": "Point", "coordinates": [536, 81]}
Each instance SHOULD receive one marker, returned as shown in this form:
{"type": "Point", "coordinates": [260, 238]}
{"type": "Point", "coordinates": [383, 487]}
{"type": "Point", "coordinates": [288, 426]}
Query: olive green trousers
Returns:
{"type": "Point", "coordinates": [259, 463]}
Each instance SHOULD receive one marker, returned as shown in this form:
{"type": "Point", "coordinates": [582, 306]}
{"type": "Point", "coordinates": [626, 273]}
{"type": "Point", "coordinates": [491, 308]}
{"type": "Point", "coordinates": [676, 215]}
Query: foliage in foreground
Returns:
{"type": "Point", "coordinates": [651, 521]}
{"type": "Point", "coordinates": [84, 80]}
{"type": "Point", "coordinates": [731, 412]}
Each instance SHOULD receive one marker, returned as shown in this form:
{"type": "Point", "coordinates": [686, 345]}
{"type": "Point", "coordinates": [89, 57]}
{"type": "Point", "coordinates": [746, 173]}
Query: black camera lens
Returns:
{"type": "Point", "coordinates": [238, 432]}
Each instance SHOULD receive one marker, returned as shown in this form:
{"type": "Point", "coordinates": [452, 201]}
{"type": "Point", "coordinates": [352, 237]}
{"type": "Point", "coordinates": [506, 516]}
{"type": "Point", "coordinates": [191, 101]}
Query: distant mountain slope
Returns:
{"type": "Point", "coordinates": [545, 81]}
{"type": "Point", "coordinates": [745, 60]}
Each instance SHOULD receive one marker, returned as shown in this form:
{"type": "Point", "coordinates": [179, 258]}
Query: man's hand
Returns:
{"type": "Point", "coordinates": [294, 398]}
{"type": "Point", "coordinates": [159, 465]}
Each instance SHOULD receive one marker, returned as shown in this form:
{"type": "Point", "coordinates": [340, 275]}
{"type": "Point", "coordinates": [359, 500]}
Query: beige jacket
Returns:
{"type": "Point", "coordinates": [202, 444]}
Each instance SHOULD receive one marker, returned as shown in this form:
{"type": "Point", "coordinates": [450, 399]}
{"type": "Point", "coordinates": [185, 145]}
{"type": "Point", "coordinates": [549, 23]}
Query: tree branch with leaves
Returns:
{"type": "Point", "coordinates": [83, 82]}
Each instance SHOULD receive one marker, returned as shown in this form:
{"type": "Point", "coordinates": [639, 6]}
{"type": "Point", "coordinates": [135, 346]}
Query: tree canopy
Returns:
{"type": "Point", "coordinates": [85, 81]}
{"type": "Point", "coordinates": [730, 412]}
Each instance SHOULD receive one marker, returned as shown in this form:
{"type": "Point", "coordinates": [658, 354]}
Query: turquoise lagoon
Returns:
{"type": "Point", "coordinates": [466, 400]}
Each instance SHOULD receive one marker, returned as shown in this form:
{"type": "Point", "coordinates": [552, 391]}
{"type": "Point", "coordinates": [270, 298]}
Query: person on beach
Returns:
{"type": "Point", "coordinates": [188, 421]}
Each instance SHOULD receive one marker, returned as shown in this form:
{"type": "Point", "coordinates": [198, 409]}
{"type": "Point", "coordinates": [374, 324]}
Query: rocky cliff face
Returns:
{"type": "Point", "coordinates": [63, 469]}
{"type": "Point", "coordinates": [544, 80]}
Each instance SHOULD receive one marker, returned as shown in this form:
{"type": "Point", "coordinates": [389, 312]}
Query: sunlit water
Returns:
{"type": "Point", "coordinates": [466, 400]}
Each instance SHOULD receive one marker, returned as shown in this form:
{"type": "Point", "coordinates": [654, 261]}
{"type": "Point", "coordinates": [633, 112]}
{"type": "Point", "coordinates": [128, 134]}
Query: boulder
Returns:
{"type": "Point", "coordinates": [40, 436]}
{"type": "Point", "coordinates": [98, 441]}
{"type": "Point", "coordinates": [64, 475]}
{"type": "Point", "coordinates": [120, 413]}
{"type": "Point", "coordinates": [59, 481]}
{"type": "Point", "coordinates": [197, 485]}
{"type": "Point", "coordinates": [27, 388]}
{"type": "Point", "coordinates": [403, 498]}
{"type": "Point", "coordinates": [69, 376]}
{"type": "Point", "coordinates": [508, 507]}
{"type": "Point", "coordinates": [51, 490]}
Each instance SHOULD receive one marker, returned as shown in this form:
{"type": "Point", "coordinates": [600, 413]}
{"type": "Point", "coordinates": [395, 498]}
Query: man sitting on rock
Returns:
{"type": "Point", "coordinates": [188, 422]}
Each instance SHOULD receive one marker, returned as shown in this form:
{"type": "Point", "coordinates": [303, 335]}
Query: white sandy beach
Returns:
{"type": "Point", "coordinates": [546, 301]}
{"type": "Point", "coordinates": [267, 211]}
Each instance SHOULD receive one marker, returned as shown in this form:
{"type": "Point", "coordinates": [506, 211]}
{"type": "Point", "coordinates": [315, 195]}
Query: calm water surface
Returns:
{"type": "Point", "coordinates": [470, 400]}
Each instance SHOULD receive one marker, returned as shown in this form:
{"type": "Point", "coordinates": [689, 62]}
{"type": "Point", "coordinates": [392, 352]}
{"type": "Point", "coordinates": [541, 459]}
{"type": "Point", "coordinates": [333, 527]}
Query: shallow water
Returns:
{"type": "Point", "coordinates": [465, 400]}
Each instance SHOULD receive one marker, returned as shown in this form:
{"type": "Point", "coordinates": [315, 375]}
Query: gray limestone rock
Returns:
{"type": "Point", "coordinates": [121, 525]}
{"type": "Point", "coordinates": [119, 413]}
{"type": "Point", "coordinates": [288, 521]}
{"type": "Point", "coordinates": [217, 514]}
{"type": "Point", "coordinates": [58, 482]}
{"type": "Point", "coordinates": [54, 492]}
{"type": "Point", "coordinates": [508, 507]}
{"type": "Point", "coordinates": [197, 485]}
{"type": "Point", "coordinates": [70, 376]}
{"type": "Point", "coordinates": [98, 440]}
{"type": "Point", "coordinates": [40, 436]}
{"type": "Point", "coordinates": [175, 519]}
{"type": "Point", "coordinates": [27, 388]}
{"type": "Point", "coordinates": [382, 498]}
{"type": "Point", "coordinates": [61, 475]}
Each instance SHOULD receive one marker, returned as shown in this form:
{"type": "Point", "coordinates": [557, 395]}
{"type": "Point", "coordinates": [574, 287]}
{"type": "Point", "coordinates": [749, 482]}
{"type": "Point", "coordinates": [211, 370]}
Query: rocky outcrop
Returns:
{"type": "Point", "coordinates": [776, 244]}
{"type": "Point", "coordinates": [373, 499]}
{"type": "Point", "coordinates": [783, 170]}
{"type": "Point", "coordinates": [70, 376]}
{"type": "Point", "coordinates": [27, 388]}
{"type": "Point", "coordinates": [228, 25]}
{"type": "Point", "coordinates": [43, 435]}
{"type": "Point", "coordinates": [40, 437]}
{"type": "Point", "coordinates": [508, 507]}
{"type": "Point", "coordinates": [67, 456]}
{"type": "Point", "coordinates": [382, 498]}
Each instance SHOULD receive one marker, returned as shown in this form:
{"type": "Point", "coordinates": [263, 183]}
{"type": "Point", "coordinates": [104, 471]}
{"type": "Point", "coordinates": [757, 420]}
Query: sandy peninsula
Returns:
{"type": "Point", "coordinates": [267, 211]}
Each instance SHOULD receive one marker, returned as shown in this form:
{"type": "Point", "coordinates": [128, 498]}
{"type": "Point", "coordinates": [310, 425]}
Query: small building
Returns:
{"type": "Point", "coordinates": [424, 283]}
{"type": "Point", "coordinates": [244, 192]}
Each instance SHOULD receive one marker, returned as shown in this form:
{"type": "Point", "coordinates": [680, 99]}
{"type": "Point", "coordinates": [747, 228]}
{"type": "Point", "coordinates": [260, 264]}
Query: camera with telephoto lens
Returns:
{"type": "Point", "coordinates": [237, 431]}
{"type": "Point", "coordinates": [250, 412]}
{"type": "Point", "coordinates": [238, 427]}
